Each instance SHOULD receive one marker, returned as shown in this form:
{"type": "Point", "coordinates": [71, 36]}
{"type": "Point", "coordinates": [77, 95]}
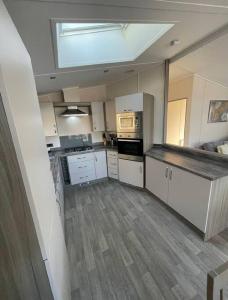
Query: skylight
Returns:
{"type": "Point", "coordinates": [84, 44]}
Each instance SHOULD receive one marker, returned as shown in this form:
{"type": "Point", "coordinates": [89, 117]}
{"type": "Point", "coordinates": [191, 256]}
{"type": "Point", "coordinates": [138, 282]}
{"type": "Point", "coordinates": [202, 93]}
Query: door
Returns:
{"type": "Point", "coordinates": [157, 178]}
{"type": "Point", "coordinates": [131, 172]}
{"type": "Point", "coordinates": [48, 118]}
{"type": "Point", "coordinates": [100, 164]}
{"type": "Point", "coordinates": [189, 195]}
{"type": "Point", "coordinates": [98, 116]}
{"type": "Point", "coordinates": [23, 270]}
{"type": "Point", "coordinates": [129, 103]}
{"type": "Point", "coordinates": [176, 116]}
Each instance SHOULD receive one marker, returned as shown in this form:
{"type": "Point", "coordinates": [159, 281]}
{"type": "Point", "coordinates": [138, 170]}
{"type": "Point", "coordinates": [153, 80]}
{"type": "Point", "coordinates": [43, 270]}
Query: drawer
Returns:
{"type": "Point", "coordinates": [113, 173]}
{"type": "Point", "coordinates": [80, 157]}
{"type": "Point", "coordinates": [81, 166]}
{"type": "Point", "coordinates": [112, 154]}
{"type": "Point", "coordinates": [112, 162]}
{"type": "Point", "coordinates": [76, 178]}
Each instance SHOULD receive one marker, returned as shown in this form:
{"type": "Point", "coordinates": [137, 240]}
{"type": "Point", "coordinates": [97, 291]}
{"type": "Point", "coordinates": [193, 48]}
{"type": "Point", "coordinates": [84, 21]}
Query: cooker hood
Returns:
{"type": "Point", "coordinates": [73, 111]}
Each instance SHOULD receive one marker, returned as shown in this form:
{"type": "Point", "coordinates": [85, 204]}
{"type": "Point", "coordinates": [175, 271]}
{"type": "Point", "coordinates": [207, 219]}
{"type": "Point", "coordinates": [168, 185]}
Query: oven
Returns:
{"type": "Point", "coordinates": [130, 122]}
{"type": "Point", "coordinates": [130, 148]}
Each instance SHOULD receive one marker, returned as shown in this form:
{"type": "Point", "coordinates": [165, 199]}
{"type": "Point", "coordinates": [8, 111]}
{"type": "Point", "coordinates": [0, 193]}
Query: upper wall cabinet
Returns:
{"type": "Point", "coordinates": [48, 117]}
{"type": "Point", "coordinates": [98, 116]}
{"type": "Point", "coordinates": [110, 115]}
{"type": "Point", "coordinates": [129, 103]}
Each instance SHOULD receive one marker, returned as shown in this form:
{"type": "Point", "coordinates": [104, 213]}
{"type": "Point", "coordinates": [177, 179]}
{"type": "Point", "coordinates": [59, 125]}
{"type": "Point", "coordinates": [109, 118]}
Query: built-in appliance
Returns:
{"type": "Point", "coordinates": [130, 122]}
{"type": "Point", "coordinates": [73, 111]}
{"type": "Point", "coordinates": [130, 146]}
{"type": "Point", "coordinates": [130, 135]}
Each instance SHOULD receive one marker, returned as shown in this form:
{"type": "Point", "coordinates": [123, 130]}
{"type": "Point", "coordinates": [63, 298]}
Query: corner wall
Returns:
{"type": "Point", "coordinates": [149, 81]}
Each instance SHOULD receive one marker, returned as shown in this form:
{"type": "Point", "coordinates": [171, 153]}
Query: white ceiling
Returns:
{"type": "Point", "coordinates": [193, 21]}
{"type": "Point", "coordinates": [209, 61]}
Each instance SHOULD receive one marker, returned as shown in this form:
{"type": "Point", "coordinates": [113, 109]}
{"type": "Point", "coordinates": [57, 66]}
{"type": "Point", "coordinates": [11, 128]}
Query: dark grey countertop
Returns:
{"type": "Point", "coordinates": [61, 151]}
{"type": "Point", "coordinates": [195, 162]}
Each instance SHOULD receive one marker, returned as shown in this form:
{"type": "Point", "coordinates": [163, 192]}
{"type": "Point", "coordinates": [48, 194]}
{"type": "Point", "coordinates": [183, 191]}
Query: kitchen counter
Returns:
{"type": "Point", "coordinates": [193, 161]}
{"type": "Point", "coordinates": [61, 151]}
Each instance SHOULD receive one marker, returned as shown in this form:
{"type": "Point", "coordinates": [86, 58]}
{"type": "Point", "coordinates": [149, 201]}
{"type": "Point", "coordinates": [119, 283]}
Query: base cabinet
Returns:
{"type": "Point", "coordinates": [87, 167]}
{"type": "Point", "coordinates": [189, 195]}
{"type": "Point", "coordinates": [186, 193]}
{"type": "Point", "coordinates": [157, 180]}
{"type": "Point", "coordinates": [100, 164]}
{"type": "Point", "coordinates": [131, 172]}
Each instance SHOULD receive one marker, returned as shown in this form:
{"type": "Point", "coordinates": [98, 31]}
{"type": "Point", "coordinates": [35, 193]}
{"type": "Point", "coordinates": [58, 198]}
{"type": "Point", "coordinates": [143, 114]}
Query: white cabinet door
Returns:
{"type": "Point", "coordinates": [110, 115]}
{"type": "Point", "coordinates": [189, 195]}
{"type": "Point", "coordinates": [129, 103]}
{"type": "Point", "coordinates": [100, 164]}
{"type": "Point", "coordinates": [131, 172]}
{"type": "Point", "coordinates": [81, 168]}
{"type": "Point", "coordinates": [98, 116]}
{"type": "Point", "coordinates": [157, 178]}
{"type": "Point", "coordinates": [48, 117]}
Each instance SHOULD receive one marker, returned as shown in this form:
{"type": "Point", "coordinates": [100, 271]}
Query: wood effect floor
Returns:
{"type": "Point", "coordinates": [125, 244]}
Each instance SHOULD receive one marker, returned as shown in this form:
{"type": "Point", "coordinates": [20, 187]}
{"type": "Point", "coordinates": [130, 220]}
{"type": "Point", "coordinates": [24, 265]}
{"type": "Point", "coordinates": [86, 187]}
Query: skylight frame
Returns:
{"type": "Point", "coordinates": [56, 36]}
{"type": "Point", "coordinates": [89, 28]}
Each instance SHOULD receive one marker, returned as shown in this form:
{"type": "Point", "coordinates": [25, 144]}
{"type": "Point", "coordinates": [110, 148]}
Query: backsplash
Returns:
{"type": "Point", "coordinates": [75, 140]}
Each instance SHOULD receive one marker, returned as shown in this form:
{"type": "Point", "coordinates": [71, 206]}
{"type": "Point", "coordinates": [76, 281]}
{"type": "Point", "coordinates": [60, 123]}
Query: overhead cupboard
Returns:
{"type": "Point", "coordinates": [129, 103]}
{"type": "Point", "coordinates": [48, 118]}
{"type": "Point", "coordinates": [197, 199]}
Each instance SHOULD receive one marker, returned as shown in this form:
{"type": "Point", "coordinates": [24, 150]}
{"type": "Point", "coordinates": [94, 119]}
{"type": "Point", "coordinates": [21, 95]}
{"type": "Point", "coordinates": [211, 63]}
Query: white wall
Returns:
{"type": "Point", "coordinates": [17, 87]}
{"type": "Point", "coordinates": [200, 130]}
{"type": "Point", "coordinates": [199, 91]}
{"type": "Point", "coordinates": [150, 81]}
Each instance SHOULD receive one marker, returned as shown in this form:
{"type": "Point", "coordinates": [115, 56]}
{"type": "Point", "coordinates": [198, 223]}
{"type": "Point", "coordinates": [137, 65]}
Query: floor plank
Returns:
{"type": "Point", "coordinates": [125, 244]}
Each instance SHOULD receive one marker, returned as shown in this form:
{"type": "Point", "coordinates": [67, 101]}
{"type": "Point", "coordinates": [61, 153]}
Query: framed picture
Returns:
{"type": "Point", "coordinates": [218, 111]}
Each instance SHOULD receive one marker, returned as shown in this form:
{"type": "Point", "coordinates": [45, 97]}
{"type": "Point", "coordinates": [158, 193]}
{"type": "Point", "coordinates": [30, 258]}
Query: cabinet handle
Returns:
{"type": "Point", "coordinates": [140, 169]}
{"type": "Point", "coordinates": [170, 174]}
{"type": "Point", "coordinates": [166, 172]}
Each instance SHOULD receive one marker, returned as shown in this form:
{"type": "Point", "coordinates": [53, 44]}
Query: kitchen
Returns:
{"type": "Point", "coordinates": [85, 158]}
{"type": "Point", "coordinates": [103, 207]}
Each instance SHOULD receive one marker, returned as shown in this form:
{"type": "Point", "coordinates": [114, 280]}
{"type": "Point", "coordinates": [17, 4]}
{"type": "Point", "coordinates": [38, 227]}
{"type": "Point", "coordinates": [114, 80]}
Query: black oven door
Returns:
{"type": "Point", "coordinates": [131, 149]}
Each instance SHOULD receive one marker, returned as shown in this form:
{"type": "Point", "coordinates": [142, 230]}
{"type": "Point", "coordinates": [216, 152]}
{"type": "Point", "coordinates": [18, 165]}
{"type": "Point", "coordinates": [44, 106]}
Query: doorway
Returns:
{"type": "Point", "coordinates": [176, 121]}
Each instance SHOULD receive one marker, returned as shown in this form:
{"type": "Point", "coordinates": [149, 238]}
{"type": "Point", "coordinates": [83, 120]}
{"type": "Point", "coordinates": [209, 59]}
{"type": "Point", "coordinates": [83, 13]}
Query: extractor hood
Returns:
{"type": "Point", "coordinates": [73, 111]}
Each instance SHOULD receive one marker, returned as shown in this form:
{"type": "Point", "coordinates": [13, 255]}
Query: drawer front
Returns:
{"type": "Point", "coordinates": [80, 157]}
{"type": "Point", "coordinates": [112, 163]}
{"type": "Point", "coordinates": [113, 173]}
{"type": "Point", "coordinates": [112, 154]}
{"type": "Point", "coordinates": [77, 178]}
{"type": "Point", "coordinates": [82, 166]}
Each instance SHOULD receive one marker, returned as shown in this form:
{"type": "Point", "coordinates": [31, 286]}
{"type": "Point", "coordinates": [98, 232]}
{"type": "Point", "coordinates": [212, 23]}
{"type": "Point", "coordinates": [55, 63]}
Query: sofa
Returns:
{"type": "Point", "coordinates": [213, 146]}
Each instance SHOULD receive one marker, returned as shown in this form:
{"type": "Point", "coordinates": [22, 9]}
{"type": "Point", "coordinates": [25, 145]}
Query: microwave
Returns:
{"type": "Point", "coordinates": [130, 122]}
